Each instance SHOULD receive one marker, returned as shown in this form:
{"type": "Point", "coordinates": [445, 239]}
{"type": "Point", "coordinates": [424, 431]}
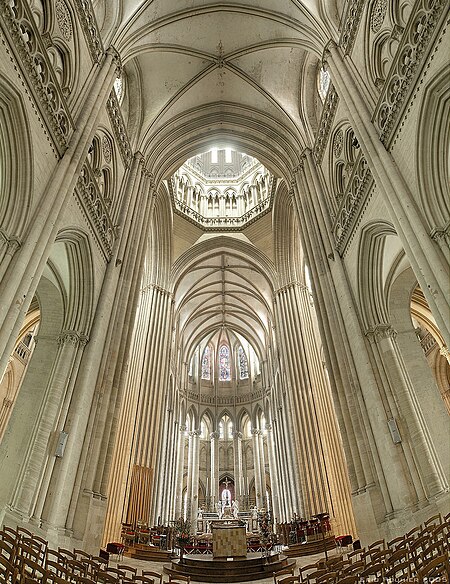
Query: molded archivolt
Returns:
{"type": "Point", "coordinates": [372, 293]}
{"type": "Point", "coordinates": [79, 292]}
{"type": "Point", "coordinates": [223, 278]}
{"type": "Point", "coordinates": [16, 169]}
{"type": "Point", "coordinates": [159, 244]}
{"type": "Point", "coordinates": [288, 251]}
{"type": "Point", "coordinates": [310, 103]}
{"type": "Point", "coordinates": [276, 146]}
{"type": "Point", "coordinates": [433, 151]}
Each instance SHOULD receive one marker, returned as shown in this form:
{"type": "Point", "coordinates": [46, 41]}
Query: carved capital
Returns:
{"type": "Point", "coordinates": [237, 434]}
{"type": "Point", "coordinates": [445, 352]}
{"type": "Point", "coordinates": [73, 337]}
{"type": "Point", "coordinates": [256, 432]}
{"type": "Point", "coordinates": [327, 52]}
{"type": "Point", "coordinates": [441, 235]}
{"type": "Point", "coordinates": [378, 332]}
{"type": "Point", "coordinates": [214, 436]}
{"type": "Point", "coordinates": [116, 59]}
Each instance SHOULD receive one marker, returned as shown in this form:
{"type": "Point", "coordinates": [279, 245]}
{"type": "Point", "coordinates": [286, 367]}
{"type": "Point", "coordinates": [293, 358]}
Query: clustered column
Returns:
{"type": "Point", "coordinates": [238, 478]}
{"type": "Point", "coordinates": [427, 260]}
{"type": "Point", "coordinates": [214, 486]}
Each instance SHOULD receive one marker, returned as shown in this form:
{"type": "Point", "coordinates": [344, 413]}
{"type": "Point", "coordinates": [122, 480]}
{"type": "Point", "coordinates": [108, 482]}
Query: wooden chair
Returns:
{"type": "Point", "coordinates": [400, 571]}
{"type": "Point", "coordinates": [8, 572]}
{"type": "Point", "coordinates": [10, 531]}
{"type": "Point", "coordinates": [313, 576]}
{"type": "Point", "coordinates": [434, 570]}
{"type": "Point", "coordinates": [328, 578]}
{"type": "Point", "coordinates": [380, 545]}
{"type": "Point", "coordinates": [57, 568]}
{"type": "Point", "coordinates": [152, 574]}
{"type": "Point", "coordinates": [396, 542]}
{"type": "Point", "coordinates": [129, 571]}
{"type": "Point", "coordinates": [375, 570]}
{"type": "Point", "coordinates": [284, 572]}
{"type": "Point", "coordinates": [413, 532]}
{"type": "Point", "coordinates": [380, 555]}
{"type": "Point", "coordinates": [349, 580]}
{"type": "Point", "coordinates": [106, 578]}
{"type": "Point", "coordinates": [433, 521]}
{"type": "Point", "coordinates": [288, 580]}
{"type": "Point", "coordinates": [67, 554]}
{"type": "Point", "coordinates": [31, 572]}
{"type": "Point", "coordinates": [356, 555]}
{"type": "Point", "coordinates": [76, 568]}
{"type": "Point", "coordinates": [144, 580]}
{"type": "Point", "coordinates": [354, 569]}
{"type": "Point", "coordinates": [81, 555]}
{"type": "Point", "coordinates": [25, 552]}
{"type": "Point", "coordinates": [54, 556]}
{"type": "Point", "coordinates": [118, 574]}
{"type": "Point", "coordinates": [179, 579]}
{"type": "Point", "coordinates": [7, 550]}
{"type": "Point", "coordinates": [305, 571]}
{"type": "Point", "coordinates": [102, 562]}
{"type": "Point", "coordinates": [83, 580]}
{"type": "Point", "coordinates": [52, 578]}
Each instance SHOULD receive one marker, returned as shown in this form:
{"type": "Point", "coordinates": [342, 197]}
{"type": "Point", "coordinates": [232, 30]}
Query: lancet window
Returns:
{"type": "Point", "coordinates": [224, 364]}
{"type": "Point", "coordinates": [206, 363]}
{"type": "Point", "coordinates": [243, 364]}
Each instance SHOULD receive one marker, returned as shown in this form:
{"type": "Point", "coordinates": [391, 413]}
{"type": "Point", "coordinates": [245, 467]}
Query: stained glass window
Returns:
{"type": "Point", "coordinates": [206, 364]}
{"type": "Point", "coordinates": [224, 364]}
{"type": "Point", "coordinates": [243, 365]}
{"type": "Point", "coordinates": [324, 83]}
{"type": "Point", "coordinates": [118, 88]}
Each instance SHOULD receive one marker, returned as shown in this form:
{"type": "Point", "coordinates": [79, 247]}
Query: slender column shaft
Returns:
{"type": "Point", "coordinates": [180, 470]}
{"type": "Point", "coordinates": [194, 477]}
{"type": "Point", "coordinates": [427, 260]}
{"type": "Point", "coordinates": [257, 462]}
{"type": "Point", "coordinates": [238, 476]}
{"type": "Point", "coordinates": [23, 274]}
{"type": "Point", "coordinates": [33, 477]}
{"type": "Point", "coordinates": [214, 486]}
{"type": "Point", "coordinates": [189, 473]}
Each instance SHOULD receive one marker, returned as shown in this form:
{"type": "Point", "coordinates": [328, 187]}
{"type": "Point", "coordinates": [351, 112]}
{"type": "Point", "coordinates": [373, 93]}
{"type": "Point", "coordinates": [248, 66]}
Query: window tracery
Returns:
{"type": "Point", "coordinates": [324, 83]}
{"type": "Point", "coordinates": [206, 363]}
{"type": "Point", "coordinates": [243, 364]}
{"type": "Point", "coordinates": [224, 364]}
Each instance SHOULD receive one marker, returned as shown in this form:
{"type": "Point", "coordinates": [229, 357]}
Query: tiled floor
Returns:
{"type": "Point", "coordinates": [158, 567]}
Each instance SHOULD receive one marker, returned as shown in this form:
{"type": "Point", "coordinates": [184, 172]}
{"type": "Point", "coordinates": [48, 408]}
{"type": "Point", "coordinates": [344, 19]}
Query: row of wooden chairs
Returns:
{"type": "Point", "coordinates": [421, 555]}
{"type": "Point", "coordinates": [25, 558]}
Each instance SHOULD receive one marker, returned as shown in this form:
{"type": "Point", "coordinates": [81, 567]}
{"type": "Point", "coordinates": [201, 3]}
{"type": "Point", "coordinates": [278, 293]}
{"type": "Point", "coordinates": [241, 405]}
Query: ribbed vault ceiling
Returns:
{"type": "Point", "coordinates": [202, 72]}
{"type": "Point", "coordinates": [223, 289]}
{"type": "Point", "coordinates": [235, 62]}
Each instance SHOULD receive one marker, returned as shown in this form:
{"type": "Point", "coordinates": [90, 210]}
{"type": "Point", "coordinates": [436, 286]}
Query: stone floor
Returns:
{"type": "Point", "coordinates": [158, 567]}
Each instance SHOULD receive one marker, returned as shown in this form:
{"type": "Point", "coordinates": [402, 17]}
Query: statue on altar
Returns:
{"type": "Point", "coordinates": [235, 507]}
{"type": "Point", "coordinates": [227, 512]}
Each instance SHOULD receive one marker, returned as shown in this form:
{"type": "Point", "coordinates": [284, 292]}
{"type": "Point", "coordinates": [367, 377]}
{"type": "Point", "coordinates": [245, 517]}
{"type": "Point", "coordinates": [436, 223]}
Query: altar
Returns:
{"type": "Point", "coordinates": [229, 539]}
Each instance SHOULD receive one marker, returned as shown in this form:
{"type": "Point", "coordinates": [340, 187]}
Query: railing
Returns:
{"type": "Point", "coordinates": [23, 352]}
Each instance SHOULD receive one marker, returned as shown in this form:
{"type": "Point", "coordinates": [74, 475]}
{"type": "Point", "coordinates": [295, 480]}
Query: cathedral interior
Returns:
{"type": "Point", "coordinates": [224, 264]}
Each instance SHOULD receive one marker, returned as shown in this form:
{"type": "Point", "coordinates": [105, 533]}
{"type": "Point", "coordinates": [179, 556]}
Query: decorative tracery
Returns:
{"type": "Point", "coordinates": [224, 363]}
{"type": "Point", "coordinates": [243, 364]}
{"type": "Point", "coordinates": [206, 363]}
